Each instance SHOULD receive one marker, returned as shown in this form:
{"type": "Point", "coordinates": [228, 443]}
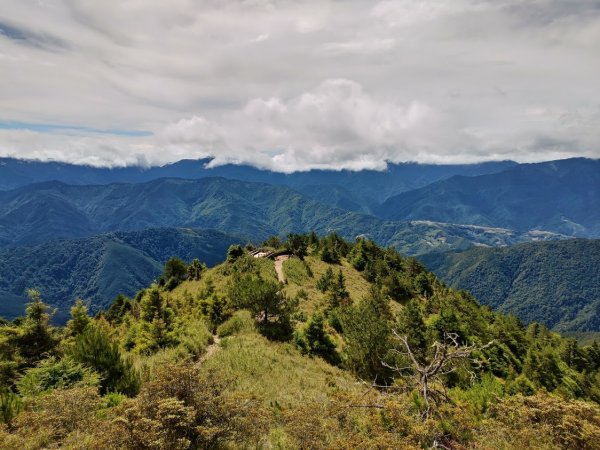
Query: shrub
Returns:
{"type": "Point", "coordinates": [240, 321]}
{"type": "Point", "coordinates": [314, 340]}
{"type": "Point", "coordinates": [95, 349]}
{"type": "Point", "coordinates": [54, 374]}
{"type": "Point", "coordinates": [182, 408]}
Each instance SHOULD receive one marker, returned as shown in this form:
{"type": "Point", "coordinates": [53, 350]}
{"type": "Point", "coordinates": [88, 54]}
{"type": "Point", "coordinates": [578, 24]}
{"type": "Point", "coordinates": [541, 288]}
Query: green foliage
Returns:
{"type": "Point", "coordinates": [272, 309]}
{"type": "Point", "coordinates": [36, 338]}
{"type": "Point", "coordinates": [174, 273]}
{"type": "Point", "coordinates": [367, 329]}
{"type": "Point", "coordinates": [56, 374]}
{"type": "Point", "coordinates": [273, 394]}
{"type": "Point", "coordinates": [411, 324]}
{"type": "Point", "coordinates": [10, 405]}
{"type": "Point", "coordinates": [117, 309]}
{"type": "Point", "coordinates": [96, 350]}
{"type": "Point", "coordinates": [337, 294]}
{"type": "Point", "coordinates": [325, 282]}
{"type": "Point", "coordinates": [234, 252]}
{"type": "Point", "coordinates": [79, 318]}
{"type": "Point", "coordinates": [297, 245]}
{"type": "Point", "coordinates": [195, 269]}
{"type": "Point", "coordinates": [183, 408]}
{"type": "Point", "coordinates": [216, 309]}
{"type": "Point", "coordinates": [273, 242]}
{"type": "Point", "coordinates": [239, 322]}
{"type": "Point", "coordinates": [554, 283]}
{"type": "Point", "coordinates": [314, 340]}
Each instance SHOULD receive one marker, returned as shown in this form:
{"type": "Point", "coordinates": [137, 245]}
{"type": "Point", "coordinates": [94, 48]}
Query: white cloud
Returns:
{"type": "Point", "coordinates": [293, 85]}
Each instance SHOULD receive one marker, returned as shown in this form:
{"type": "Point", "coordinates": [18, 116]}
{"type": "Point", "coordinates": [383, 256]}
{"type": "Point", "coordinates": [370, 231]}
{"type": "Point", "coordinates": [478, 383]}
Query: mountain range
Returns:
{"type": "Point", "coordinates": [99, 268]}
{"type": "Point", "coordinates": [255, 211]}
{"type": "Point", "coordinates": [554, 283]}
{"type": "Point", "coordinates": [89, 216]}
{"type": "Point", "coordinates": [351, 190]}
{"type": "Point", "coordinates": [559, 196]}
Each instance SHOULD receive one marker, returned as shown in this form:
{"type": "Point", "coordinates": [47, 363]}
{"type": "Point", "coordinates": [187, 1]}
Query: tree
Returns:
{"type": "Point", "coordinates": [157, 322]}
{"type": "Point", "coordinates": [314, 340]}
{"type": "Point", "coordinates": [366, 329]}
{"type": "Point", "coordinates": [195, 269]}
{"type": "Point", "coordinates": [95, 349]}
{"type": "Point", "coordinates": [37, 337]}
{"type": "Point", "coordinates": [267, 302]}
{"type": "Point", "coordinates": [174, 273]}
{"type": "Point", "coordinates": [297, 244]}
{"type": "Point", "coordinates": [79, 318]}
{"type": "Point", "coordinates": [325, 282]}
{"type": "Point", "coordinates": [338, 295]}
{"type": "Point", "coordinates": [446, 357]}
{"type": "Point", "coordinates": [234, 252]}
{"type": "Point", "coordinates": [118, 308]}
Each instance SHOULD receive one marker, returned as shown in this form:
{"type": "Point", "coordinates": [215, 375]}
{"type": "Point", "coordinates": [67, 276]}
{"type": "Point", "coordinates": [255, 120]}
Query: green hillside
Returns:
{"type": "Point", "coordinates": [554, 283]}
{"type": "Point", "coordinates": [559, 196]}
{"type": "Point", "coordinates": [48, 211]}
{"type": "Point", "coordinates": [359, 347]}
{"type": "Point", "coordinates": [99, 268]}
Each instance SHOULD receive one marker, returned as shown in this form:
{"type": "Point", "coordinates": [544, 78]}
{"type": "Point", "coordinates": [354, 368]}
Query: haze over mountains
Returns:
{"type": "Point", "coordinates": [560, 196]}
{"type": "Point", "coordinates": [357, 191]}
{"type": "Point", "coordinates": [419, 209]}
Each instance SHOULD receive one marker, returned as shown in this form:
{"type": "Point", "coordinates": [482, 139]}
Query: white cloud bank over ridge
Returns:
{"type": "Point", "coordinates": [297, 85]}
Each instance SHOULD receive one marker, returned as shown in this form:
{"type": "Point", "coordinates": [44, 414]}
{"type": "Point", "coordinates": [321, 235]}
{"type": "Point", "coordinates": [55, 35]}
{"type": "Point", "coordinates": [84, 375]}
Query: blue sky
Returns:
{"type": "Point", "coordinates": [54, 128]}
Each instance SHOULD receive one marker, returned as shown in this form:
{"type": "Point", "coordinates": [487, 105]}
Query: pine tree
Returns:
{"type": "Point", "coordinates": [79, 318]}
{"type": "Point", "coordinates": [95, 349]}
{"type": "Point", "coordinates": [195, 269]}
{"type": "Point", "coordinates": [37, 338]}
{"type": "Point", "coordinates": [367, 331]}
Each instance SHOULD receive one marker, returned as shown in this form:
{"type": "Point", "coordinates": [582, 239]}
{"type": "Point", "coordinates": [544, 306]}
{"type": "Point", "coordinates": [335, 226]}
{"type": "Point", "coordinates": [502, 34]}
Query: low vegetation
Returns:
{"type": "Point", "coordinates": [361, 348]}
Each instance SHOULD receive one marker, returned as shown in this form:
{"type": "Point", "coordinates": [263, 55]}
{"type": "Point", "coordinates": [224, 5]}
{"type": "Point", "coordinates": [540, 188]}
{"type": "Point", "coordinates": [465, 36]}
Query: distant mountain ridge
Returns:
{"type": "Point", "coordinates": [100, 267]}
{"type": "Point", "coordinates": [558, 196]}
{"type": "Point", "coordinates": [47, 211]}
{"type": "Point", "coordinates": [555, 283]}
{"type": "Point", "coordinates": [356, 191]}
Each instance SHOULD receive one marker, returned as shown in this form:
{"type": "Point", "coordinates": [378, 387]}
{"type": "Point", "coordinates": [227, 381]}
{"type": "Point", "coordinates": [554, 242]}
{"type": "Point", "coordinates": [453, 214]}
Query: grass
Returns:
{"type": "Point", "coordinates": [297, 277]}
{"type": "Point", "coordinates": [277, 372]}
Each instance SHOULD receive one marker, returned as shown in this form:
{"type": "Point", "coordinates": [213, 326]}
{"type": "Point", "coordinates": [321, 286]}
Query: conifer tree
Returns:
{"type": "Point", "coordinates": [37, 338]}
{"type": "Point", "coordinates": [79, 318]}
{"type": "Point", "coordinates": [95, 349]}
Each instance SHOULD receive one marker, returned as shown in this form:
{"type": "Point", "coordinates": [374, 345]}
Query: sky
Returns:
{"type": "Point", "coordinates": [293, 85]}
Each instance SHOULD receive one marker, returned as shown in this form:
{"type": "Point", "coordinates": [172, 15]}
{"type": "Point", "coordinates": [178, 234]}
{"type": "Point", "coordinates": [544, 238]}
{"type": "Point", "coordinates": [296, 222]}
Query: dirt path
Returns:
{"type": "Point", "coordinates": [211, 349]}
{"type": "Point", "coordinates": [279, 267]}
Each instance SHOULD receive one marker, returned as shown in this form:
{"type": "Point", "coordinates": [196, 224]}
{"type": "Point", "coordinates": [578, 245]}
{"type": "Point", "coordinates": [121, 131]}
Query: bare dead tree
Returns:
{"type": "Point", "coordinates": [446, 357]}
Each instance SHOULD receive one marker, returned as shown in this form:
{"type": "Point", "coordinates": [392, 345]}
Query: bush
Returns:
{"type": "Point", "coordinates": [195, 337]}
{"type": "Point", "coordinates": [241, 321]}
{"type": "Point", "coordinates": [10, 405]}
{"type": "Point", "coordinates": [314, 340]}
{"type": "Point", "coordinates": [95, 349]}
{"type": "Point", "coordinates": [49, 419]}
{"type": "Point", "coordinates": [54, 374]}
{"type": "Point", "coordinates": [182, 408]}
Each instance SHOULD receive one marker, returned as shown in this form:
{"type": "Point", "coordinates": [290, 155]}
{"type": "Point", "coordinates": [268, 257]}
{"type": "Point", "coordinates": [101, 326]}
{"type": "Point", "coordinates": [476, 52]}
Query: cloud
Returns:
{"type": "Point", "coordinates": [292, 85]}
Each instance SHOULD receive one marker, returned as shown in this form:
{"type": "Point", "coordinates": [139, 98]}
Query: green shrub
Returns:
{"type": "Point", "coordinates": [241, 321]}
{"type": "Point", "coordinates": [95, 349]}
{"type": "Point", "coordinates": [56, 374]}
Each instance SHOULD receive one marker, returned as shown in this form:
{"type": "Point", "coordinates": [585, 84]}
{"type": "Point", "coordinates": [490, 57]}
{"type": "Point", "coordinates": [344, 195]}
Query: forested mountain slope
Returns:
{"type": "Point", "coordinates": [99, 268]}
{"type": "Point", "coordinates": [359, 190]}
{"type": "Point", "coordinates": [554, 283]}
{"type": "Point", "coordinates": [47, 211]}
{"type": "Point", "coordinates": [559, 196]}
